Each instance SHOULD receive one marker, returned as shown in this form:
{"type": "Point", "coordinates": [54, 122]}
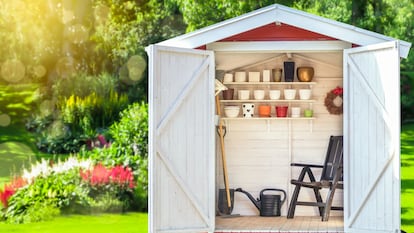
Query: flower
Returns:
{"type": "Point", "coordinates": [10, 189]}
{"type": "Point", "coordinates": [338, 91]}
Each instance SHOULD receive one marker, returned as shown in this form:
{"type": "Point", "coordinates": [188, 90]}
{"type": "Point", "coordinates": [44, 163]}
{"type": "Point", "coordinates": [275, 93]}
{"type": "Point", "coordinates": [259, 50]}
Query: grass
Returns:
{"type": "Point", "coordinates": [407, 178]}
{"type": "Point", "coordinates": [105, 223]}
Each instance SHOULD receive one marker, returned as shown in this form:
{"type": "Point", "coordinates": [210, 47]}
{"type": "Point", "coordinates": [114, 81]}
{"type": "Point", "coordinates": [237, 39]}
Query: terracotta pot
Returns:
{"type": "Point", "coordinates": [264, 111]}
{"type": "Point", "coordinates": [228, 94]}
{"type": "Point", "coordinates": [281, 111]}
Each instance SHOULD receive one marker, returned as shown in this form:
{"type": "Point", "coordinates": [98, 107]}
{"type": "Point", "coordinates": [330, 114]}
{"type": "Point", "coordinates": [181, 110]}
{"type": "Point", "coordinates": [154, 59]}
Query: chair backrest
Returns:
{"type": "Point", "coordinates": [334, 158]}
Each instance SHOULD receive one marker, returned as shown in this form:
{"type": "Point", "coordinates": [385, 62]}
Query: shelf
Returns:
{"type": "Point", "coordinates": [269, 83]}
{"type": "Point", "coordinates": [267, 101]}
{"type": "Point", "coordinates": [267, 118]}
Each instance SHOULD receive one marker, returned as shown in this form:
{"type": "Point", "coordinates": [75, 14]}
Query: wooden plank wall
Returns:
{"type": "Point", "coordinates": [259, 152]}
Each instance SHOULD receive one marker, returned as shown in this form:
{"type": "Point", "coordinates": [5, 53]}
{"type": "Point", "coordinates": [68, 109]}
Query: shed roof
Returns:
{"type": "Point", "coordinates": [277, 13]}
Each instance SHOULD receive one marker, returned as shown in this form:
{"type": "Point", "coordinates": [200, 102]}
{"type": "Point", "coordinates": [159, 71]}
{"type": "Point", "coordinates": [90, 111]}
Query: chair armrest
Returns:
{"type": "Point", "coordinates": [306, 165]}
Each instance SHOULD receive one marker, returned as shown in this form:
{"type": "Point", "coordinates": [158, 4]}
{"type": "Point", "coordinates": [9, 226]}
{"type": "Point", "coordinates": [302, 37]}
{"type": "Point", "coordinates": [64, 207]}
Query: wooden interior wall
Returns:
{"type": "Point", "coordinates": [259, 152]}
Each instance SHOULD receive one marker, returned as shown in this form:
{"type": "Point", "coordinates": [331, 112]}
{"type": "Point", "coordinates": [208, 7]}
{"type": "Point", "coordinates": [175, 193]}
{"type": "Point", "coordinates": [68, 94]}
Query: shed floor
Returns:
{"type": "Point", "coordinates": [278, 224]}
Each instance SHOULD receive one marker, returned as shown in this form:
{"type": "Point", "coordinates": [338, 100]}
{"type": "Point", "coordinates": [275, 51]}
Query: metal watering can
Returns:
{"type": "Point", "coordinates": [268, 204]}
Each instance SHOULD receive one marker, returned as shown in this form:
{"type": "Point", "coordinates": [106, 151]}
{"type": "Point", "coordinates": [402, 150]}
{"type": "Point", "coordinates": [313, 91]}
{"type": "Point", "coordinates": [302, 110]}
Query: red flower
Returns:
{"type": "Point", "coordinates": [10, 189]}
{"type": "Point", "coordinates": [338, 91]}
{"type": "Point", "coordinates": [102, 176]}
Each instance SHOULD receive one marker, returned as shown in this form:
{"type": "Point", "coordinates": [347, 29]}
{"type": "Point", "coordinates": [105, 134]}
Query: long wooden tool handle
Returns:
{"type": "Point", "coordinates": [223, 153]}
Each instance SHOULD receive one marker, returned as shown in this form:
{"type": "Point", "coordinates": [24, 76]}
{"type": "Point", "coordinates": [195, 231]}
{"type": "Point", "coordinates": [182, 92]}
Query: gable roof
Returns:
{"type": "Point", "coordinates": [281, 14]}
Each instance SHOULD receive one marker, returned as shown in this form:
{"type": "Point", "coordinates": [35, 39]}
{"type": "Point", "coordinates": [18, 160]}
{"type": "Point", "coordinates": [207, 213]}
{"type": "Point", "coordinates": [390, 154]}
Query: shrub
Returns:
{"type": "Point", "coordinates": [129, 148]}
{"type": "Point", "coordinates": [71, 186]}
{"type": "Point", "coordinates": [85, 106]}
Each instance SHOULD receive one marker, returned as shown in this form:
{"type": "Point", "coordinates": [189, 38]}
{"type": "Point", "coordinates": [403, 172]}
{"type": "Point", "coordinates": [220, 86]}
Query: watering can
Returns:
{"type": "Point", "coordinates": [268, 204]}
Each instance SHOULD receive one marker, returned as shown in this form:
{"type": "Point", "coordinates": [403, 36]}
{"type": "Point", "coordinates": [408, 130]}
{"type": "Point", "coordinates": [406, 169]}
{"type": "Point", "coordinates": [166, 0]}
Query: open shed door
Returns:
{"type": "Point", "coordinates": [181, 140]}
{"type": "Point", "coordinates": [372, 138]}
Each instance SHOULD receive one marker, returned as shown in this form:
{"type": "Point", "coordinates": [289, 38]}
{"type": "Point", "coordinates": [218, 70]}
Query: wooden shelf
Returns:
{"type": "Point", "coordinates": [267, 118]}
{"type": "Point", "coordinates": [269, 83]}
{"type": "Point", "coordinates": [268, 101]}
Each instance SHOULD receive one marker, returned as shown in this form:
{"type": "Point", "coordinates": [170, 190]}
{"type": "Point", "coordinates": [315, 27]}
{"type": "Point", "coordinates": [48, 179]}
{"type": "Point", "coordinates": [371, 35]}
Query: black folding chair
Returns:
{"type": "Point", "coordinates": [331, 178]}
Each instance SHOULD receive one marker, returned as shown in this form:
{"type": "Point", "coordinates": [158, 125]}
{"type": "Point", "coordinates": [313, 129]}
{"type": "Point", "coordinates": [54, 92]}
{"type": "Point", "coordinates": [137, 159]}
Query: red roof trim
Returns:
{"type": "Point", "coordinates": [277, 32]}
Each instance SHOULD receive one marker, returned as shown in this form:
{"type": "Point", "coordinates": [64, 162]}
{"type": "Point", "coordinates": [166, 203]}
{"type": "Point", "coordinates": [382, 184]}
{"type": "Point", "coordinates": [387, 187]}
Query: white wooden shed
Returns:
{"type": "Point", "coordinates": [184, 170]}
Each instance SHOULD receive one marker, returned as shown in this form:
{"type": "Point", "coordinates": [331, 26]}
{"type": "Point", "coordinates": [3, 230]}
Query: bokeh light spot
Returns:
{"type": "Point", "coordinates": [101, 14]}
{"type": "Point", "coordinates": [39, 71]}
{"type": "Point", "coordinates": [57, 129]}
{"type": "Point", "coordinates": [46, 108]}
{"type": "Point", "coordinates": [77, 33]}
{"type": "Point", "coordinates": [67, 16]}
{"type": "Point", "coordinates": [136, 67]}
{"type": "Point", "coordinates": [5, 120]}
{"type": "Point", "coordinates": [13, 71]}
{"type": "Point", "coordinates": [66, 66]}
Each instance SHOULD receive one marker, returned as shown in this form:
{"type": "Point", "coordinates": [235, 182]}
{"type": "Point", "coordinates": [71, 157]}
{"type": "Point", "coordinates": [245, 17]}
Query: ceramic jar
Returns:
{"type": "Point", "coordinates": [248, 110]}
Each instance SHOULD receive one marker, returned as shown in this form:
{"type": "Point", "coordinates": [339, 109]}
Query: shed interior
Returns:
{"type": "Point", "coordinates": [259, 150]}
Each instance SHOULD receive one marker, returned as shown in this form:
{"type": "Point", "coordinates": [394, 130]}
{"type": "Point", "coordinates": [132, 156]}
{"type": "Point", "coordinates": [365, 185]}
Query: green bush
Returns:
{"type": "Point", "coordinates": [46, 195]}
{"type": "Point", "coordinates": [84, 106]}
{"type": "Point", "coordinates": [129, 148]}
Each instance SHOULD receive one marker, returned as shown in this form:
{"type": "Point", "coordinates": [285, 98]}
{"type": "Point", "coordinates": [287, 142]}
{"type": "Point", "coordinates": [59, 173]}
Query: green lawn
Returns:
{"type": "Point", "coordinates": [105, 223]}
{"type": "Point", "coordinates": [407, 178]}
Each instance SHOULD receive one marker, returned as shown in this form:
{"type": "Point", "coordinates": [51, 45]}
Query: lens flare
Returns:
{"type": "Point", "coordinates": [46, 108]}
{"type": "Point", "coordinates": [13, 71]}
{"type": "Point", "coordinates": [136, 67]}
{"type": "Point", "coordinates": [5, 120]}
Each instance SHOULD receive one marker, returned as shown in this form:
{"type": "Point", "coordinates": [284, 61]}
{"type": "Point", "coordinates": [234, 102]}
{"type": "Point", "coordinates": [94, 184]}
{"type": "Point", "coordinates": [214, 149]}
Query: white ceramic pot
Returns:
{"type": "Point", "coordinates": [259, 94]}
{"type": "Point", "coordinates": [305, 94]}
{"type": "Point", "coordinates": [254, 76]}
{"type": "Point", "coordinates": [248, 110]}
{"type": "Point", "coordinates": [290, 94]}
{"type": "Point", "coordinates": [231, 111]}
{"type": "Point", "coordinates": [240, 77]}
{"type": "Point", "coordinates": [244, 94]}
{"type": "Point", "coordinates": [228, 78]}
{"type": "Point", "coordinates": [274, 94]}
{"type": "Point", "coordinates": [295, 111]}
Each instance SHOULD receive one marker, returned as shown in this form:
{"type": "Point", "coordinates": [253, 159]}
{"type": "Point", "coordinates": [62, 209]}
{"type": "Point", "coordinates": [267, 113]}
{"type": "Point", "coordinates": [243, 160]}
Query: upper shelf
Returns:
{"type": "Point", "coordinates": [269, 83]}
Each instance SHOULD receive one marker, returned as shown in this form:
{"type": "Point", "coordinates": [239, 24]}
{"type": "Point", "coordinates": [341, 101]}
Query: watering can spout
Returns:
{"type": "Point", "coordinates": [255, 202]}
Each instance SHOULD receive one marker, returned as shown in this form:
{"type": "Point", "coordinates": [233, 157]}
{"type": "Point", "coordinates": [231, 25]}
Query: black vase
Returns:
{"type": "Point", "coordinates": [289, 68]}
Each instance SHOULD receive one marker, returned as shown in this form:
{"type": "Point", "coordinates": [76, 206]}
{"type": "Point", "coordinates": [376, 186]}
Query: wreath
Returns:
{"type": "Point", "coordinates": [334, 102]}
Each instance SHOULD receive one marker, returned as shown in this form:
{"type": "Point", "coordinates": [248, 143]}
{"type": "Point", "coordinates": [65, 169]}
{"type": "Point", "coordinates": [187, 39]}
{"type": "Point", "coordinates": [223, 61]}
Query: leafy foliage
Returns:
{"type": "Point", "coordinates": [72, 186]}
{"type": "Point", "coordinates": [129, 148]}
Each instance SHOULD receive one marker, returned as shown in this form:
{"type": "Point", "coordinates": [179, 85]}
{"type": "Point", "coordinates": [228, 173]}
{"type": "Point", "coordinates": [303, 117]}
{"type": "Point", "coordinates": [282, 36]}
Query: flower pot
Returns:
{"type": "Point", "coordinates": [231, 111]}
{"type": "Point", "coordinates": [274, 94]}
{"type": "Point", "coordinates": [258, 94]}
{"type": "Point", "coordinates": [277, 75]}
{"type": "Point", "coordinates": [305, 74]}
{"type": "Point", "coordinates": [305, 94]}
{"type": "Point", "coordinates": [264, 110]}
{"type": "Point", "coordinates": [290, 94]}
{"type": "Point", "coordinates": [228, 94]}
{"type": "Point", "coordinates": [281, 111]}
{"type": "Point", "coordinates": [244, 94]}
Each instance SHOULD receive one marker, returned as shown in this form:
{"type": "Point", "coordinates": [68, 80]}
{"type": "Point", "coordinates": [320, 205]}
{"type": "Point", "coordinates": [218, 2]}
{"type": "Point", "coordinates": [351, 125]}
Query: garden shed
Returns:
{"type": "Point", "coordinates": [185, 165]}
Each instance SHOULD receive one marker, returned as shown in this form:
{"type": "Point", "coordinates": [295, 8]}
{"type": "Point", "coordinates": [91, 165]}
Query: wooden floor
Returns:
{"type": "Point", "coordinates": [278, 224]}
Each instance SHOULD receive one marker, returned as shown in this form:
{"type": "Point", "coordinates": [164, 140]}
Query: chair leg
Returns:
{"type": "Point", "coordinates": [318, 198]}
{"type": "Point", "coordinates": [292, 206]}
{"type": "Point", "coordinates": [328, 204]}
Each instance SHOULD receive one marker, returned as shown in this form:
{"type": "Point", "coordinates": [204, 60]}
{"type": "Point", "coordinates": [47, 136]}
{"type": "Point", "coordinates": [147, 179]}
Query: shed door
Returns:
{"type": "Point", "coordinates": [181, 143]}
{"type": "Point", "coordinates": [372, 138]}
